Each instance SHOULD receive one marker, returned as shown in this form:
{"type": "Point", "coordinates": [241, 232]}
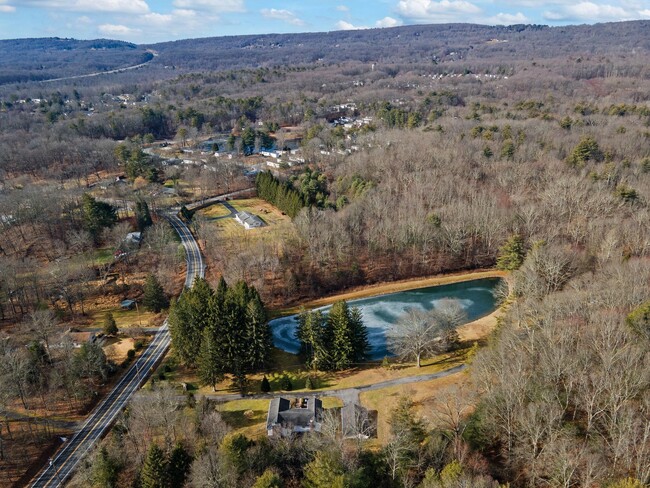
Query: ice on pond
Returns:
{"type": "Point", "coordinates": [381, 312]}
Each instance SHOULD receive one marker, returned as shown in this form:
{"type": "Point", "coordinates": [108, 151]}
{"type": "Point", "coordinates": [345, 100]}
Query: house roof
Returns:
{"type": "Point", "coordinates": [303, 416]}
{"type": "Point", "coordinates": [250, 219]}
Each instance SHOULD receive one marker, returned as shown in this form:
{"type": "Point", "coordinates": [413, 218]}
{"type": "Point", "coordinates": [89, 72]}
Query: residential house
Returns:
{"type": "Point", "coordinates": [286, 418]}
{"type": "Point", "coordinates": [248, 220]}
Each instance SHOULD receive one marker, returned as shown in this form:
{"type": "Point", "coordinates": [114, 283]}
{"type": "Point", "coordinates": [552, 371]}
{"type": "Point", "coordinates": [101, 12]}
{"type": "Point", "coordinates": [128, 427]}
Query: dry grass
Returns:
{"type": "Point", "coordinates": [423, 395]}
{"type": "Point", "coordinates": [213, 211]}
{"type": "Point", "coordinates": [277, 224]}
{"type": "Point", "coordinates": [123, 318]}
{"type": "Point", "coordinates": [116, 349]}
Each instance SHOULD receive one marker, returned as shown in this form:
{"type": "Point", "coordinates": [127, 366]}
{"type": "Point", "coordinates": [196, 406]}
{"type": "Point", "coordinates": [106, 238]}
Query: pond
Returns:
{"type": "Point", "coordinates": [477, 297]}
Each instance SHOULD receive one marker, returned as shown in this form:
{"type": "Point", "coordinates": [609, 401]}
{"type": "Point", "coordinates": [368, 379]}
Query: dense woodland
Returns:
{"type": "Point", "coordinates": [532, 155]}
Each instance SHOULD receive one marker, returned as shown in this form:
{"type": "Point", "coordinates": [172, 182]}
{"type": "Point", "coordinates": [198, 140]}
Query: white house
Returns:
{"type": "Point", "coordinates": [248, 220]}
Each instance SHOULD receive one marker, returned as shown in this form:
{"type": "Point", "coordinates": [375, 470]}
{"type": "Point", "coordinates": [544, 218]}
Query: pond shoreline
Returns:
{"type": "Point", "coordinates": [385, 288]}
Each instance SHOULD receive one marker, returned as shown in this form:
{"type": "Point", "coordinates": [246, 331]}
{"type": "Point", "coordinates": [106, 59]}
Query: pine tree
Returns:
{"type": "Point", "coordinates": [209, 364]}
{"type": "Point", "coordinates": [268, 479]}
{"type": "Point", "coordinates": [511, 254]}
{"type": "Point", "coordinates": [96, 215]}
{"type": "Point", "coordinates": [154, 298]}
{"type": "Point", "coordinates": [142, 215]}
{"type": "Point", "coordinates": [258, 332]}
{"type": "Point", "coordinates": [341, 338]}
{"type": "Point", "coordinates": [178, 466]}
{"type": "Point", "coordinates": [105, 470]}
{"type": "Point", "coordinates": [154, 472]}
{"type": "Point", "coordinates": [110, 326]}
{"type": "Point", "coordinates": [265, 386]}
{"type": "Point", "coordinates": [360, 343]}
{"type": "Point", "coordinates": [187, 319]}
{"type": "Point", "coordinates": [312, 334]}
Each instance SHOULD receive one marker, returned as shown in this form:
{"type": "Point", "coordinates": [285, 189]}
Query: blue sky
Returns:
{"type": "Point", "coordinates": [145, 21]}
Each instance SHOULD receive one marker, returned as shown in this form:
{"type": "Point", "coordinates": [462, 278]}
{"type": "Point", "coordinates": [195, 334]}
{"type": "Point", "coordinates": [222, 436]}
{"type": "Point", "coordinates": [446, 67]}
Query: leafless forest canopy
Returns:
{"type": "Point", "coordinates": [472, 136]}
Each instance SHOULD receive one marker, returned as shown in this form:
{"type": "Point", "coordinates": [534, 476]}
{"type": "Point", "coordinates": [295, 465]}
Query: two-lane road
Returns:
{"type": "Point", "coordinates": [103, 416]}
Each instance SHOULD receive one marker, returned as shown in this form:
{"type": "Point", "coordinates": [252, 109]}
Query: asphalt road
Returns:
{"type": "Point", "coordinates": [102, 417]}
{"type": "Point", "coordinates": [99, 73]}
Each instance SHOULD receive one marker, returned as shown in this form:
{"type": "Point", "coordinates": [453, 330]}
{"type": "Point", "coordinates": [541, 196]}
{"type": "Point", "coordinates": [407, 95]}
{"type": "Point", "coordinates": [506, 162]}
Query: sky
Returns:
{"type": "Point", "coordinates": [148, 21]}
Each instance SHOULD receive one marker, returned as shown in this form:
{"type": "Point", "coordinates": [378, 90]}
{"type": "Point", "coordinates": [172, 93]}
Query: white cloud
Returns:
{"type": "Point", "coordinates": [343, 25]}
{"type": "Point", "coordinates": [589, 11]}
{"type": "Point", "coordinates": [644, 13]}
{"type": "Point", "coordinates": [388, 22]}
{"type": "Point", "coordinates": [84, 19]}
{"type": "Point", "coordinates": [218, 6]}
{"type": "Point", "coordinates": [442, 11]}
{"type": "Point", "coordinates": [508, 19]}
{"type": "Point", "coordinates": [283, 15]}
{"type": "Point", "coordinates": [156, 19]}
{"type": "Point", "coordinates": [342, 8]}
{"type": "Point", "coordinates": [113, 6]}
{"type": "Point", "coordinates": [7, 8]}
{"type": "Point", "coordinates": [119, 31]}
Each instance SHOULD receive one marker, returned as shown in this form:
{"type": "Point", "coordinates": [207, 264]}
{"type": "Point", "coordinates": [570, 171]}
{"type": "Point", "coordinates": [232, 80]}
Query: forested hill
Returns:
{"type": "Point", "coordinates": [48, 58]}
{"type": "Point", "coordinates": [467, 45]}
{"type": "Point", "coordinates": [418, 43]}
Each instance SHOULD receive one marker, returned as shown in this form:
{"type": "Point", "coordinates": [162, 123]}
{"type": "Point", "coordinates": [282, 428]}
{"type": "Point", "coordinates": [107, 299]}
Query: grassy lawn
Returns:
{"type": "Point", "coordinates": [288, 365]}
{"type": "Point", "coordinates": [277, 224]}
{"type": "Point", "coordinates": [216, 210]}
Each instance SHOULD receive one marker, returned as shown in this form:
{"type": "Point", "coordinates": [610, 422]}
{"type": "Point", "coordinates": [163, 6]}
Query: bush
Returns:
{"type": "Point", "coordinates": [137, 345]}
{"type": "Point", "coordinates": [130, 354]}
{"type": "Point", "coordinates": [265, 387]}
{"type": "Point", "coordinates": [285, 383]}
{"type": "Point", "coordinates": [110, 327]}
{"type": "Point", "coordinates": [308, 384]}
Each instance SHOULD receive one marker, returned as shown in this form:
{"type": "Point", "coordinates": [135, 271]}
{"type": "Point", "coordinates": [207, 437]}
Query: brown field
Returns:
{"type": "Point", "coordinates": [423, 395]}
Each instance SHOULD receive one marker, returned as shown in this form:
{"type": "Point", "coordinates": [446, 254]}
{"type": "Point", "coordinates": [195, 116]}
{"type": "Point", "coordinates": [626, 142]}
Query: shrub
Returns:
{"type": "Point", "coordinates": [285, 383]}
{"type": "Point", "coordinates": [265, 387]}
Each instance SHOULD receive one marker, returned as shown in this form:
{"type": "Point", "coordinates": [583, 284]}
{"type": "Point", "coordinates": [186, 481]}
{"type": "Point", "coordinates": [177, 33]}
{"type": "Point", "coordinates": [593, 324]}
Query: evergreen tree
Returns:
{"type": "Point", "coordinates": [142, 215]}
{"type": "Point", "coordinates": [154, 298]}
{"type": "Point", "coordinates": [154, 472]}
{"type": "Point", "coordinates": [110, 326]}
{"type": "Point", "coordinates": [326, 471]}
{"type": "Point", "coordinates": [312, 334]}
{"type": "Point", "coordinates": [96, 215]}
{"type": "Point", "coordinates": [341, 336]}
{"type": "Point", "coordinates": [586, 150]}
{"type": "Point", "coordinates": [209, 364]}
{"type": "Point", "coordinates": [511, 254]}
{"type": "Point", "coordinates": [188, 316]}
{"type": "Point", "coordinates": [178, 466]}
{"type": "Point", "coordinates": [360, 343]}
{"type": "Point", "coordinates": [268, 479]}
{"type": "Point", "coordinates": [105, 470]}
{"type": "Point", "coordinates": [259, 337]}
{"type": "Point", "coordinates": [265, 387]}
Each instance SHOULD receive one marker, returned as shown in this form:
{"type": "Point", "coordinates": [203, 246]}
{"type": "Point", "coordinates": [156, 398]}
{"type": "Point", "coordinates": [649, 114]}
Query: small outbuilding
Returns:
{"type": "Point", "coordinates": [127, 304]}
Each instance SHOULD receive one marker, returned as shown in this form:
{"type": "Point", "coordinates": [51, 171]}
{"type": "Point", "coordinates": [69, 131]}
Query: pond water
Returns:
{"type": "Point", "coordinates": [380, 312]}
